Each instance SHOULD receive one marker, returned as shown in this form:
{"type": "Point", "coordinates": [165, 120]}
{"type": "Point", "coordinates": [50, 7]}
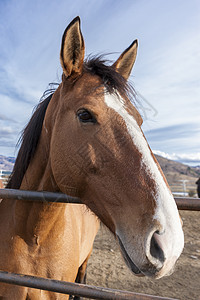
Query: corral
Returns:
{"type": "Point", "coordinates": [106, 266]}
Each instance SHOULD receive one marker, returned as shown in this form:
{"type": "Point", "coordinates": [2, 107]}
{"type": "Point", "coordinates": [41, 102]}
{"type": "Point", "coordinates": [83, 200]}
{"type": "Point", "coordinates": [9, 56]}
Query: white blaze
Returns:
{"type": "Point", "coordinates": [166, 211]}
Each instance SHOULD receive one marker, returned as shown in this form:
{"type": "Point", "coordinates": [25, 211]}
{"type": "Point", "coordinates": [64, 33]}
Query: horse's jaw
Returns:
{"type": "Point", "coordinates": [128, 260]}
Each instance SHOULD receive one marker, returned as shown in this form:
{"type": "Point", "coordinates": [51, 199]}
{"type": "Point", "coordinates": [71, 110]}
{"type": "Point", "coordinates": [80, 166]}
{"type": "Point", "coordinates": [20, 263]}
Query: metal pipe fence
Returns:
{"type": "Point", "coordinates": [183, 203]}
{"type": "Point", "coordinates": [76, 289]}
{"type": "Point", "coordinates": [188, 203]}
{"type": "Point", "coordinates": [37, 196]}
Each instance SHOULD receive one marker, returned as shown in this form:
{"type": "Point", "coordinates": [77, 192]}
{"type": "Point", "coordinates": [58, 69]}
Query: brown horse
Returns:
{"type": "Point", "coordinates": [86, 140]}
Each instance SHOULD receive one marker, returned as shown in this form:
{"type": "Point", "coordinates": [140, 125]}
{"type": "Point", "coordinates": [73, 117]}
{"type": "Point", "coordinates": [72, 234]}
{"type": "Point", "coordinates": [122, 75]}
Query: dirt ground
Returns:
{"type": "Point", "coordinates": [107, 268]}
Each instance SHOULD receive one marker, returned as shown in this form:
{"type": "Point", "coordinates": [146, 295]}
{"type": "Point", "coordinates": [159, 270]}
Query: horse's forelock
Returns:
{"type": "Point", "coordinates": [112, 80]}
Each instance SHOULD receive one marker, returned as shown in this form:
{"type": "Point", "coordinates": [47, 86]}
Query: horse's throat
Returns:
{"type": "Point", "coordinates": [35, 221]}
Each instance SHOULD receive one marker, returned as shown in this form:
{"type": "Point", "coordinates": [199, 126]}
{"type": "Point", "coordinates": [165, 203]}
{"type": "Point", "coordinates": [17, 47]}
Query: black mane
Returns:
{"type": "Point", "coordinates": [111, 79]}
{"type": "Point", "coordinates": [28, 140]}
{"type": "Point", "coordinates": [113, 82]}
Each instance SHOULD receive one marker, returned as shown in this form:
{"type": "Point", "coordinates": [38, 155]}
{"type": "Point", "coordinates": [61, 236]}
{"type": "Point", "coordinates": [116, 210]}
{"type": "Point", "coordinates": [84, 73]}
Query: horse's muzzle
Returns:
{"type": "Point", "coordinates": [154, 260]}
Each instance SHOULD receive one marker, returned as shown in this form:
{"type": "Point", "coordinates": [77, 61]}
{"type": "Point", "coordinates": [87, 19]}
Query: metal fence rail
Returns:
{"type": "Point", "coordinates": [188, 203]}
{"type": "Point", "coordinates": [81, 290]}
{"type": "Point", "coordinates": [37, 196]}
{"type": "Point", "coordinates": [183, 203]}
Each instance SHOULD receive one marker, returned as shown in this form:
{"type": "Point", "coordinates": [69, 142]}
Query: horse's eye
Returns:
{"type": "Point", "coordinates": [85, 116]}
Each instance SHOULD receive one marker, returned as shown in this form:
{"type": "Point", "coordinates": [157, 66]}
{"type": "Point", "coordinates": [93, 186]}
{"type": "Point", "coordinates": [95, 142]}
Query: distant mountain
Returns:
{"type": "Point", "coordinates": [6, 163]}
{"type": "Point", "coordinates": [171, 166]}
{"type": "Point", "coordinates": [181, 178]}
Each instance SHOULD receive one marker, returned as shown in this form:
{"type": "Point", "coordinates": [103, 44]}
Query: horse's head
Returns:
{"type": "Point", "coordinates": [99, 151]}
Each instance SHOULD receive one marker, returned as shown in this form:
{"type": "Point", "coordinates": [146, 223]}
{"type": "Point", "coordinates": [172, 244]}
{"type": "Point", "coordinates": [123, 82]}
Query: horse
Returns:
{"type": "Point", "coordinates": [86, 140]}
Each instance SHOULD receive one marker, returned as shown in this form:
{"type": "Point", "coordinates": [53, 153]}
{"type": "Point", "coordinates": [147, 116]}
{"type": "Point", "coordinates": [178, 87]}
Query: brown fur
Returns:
{"type": "Point", "coordinates": [123, 64]}
{"type": "Point", "coordinates": [97, 162]}
{"type": "Point", "coordinates": [72, 49]}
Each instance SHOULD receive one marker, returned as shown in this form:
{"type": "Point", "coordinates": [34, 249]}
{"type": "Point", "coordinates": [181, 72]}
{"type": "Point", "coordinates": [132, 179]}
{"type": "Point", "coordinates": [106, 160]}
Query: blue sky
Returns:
{"type": "Point", "coordinates": [166, 73]}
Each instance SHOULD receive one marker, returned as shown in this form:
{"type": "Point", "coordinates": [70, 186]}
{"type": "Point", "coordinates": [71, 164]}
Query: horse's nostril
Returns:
{"type": "Point", "coordinates": [155, 249]}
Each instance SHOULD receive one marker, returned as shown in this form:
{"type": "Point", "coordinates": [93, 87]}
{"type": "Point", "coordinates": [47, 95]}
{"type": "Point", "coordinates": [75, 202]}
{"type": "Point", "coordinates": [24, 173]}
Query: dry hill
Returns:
{"type": "Point", "coordinates": [178, 174]}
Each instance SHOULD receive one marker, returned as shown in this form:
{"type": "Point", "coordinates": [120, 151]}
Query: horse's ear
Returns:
{"type": "Point", "coordinates": [72, 49]}
{"type": "Point", "coordinates": [125, 62]}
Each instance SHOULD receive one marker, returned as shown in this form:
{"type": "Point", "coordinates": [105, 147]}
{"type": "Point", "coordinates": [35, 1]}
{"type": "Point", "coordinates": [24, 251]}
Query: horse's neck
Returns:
{"type": "Point", "coordinates": [34, 221]}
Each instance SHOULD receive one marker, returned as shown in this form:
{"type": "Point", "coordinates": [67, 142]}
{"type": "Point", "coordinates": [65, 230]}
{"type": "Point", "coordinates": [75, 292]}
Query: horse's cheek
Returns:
{"type": "Point", "coordinates": [67, 169]}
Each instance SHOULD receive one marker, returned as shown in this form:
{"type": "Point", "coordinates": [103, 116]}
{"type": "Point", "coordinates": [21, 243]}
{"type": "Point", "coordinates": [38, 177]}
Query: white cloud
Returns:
{"type": "Point", "coordinates": [181, 157]}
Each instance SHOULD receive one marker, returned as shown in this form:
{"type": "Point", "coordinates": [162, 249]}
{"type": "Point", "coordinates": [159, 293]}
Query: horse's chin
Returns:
{"type": "Point", "coordinates": [128, 260]}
